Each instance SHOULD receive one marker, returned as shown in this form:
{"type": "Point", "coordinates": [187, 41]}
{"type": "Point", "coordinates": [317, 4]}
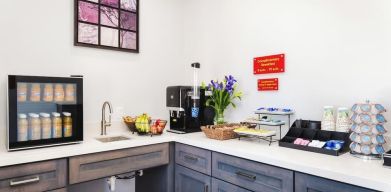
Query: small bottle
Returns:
{"type": "Point", "coordinates": [59, 93]}
{"type": "Point", "coordinates": [35, 126]}
{"type": "Point", "coordinates": [48, 93]}
{"type": "Point", "coordinates": [22, 127]}
{"type": "Point", "coordinates": [46, 124]}
{"type": "Point", "coordinates": [22, 92]}
{"type": "Point", "coordinates": [35, 92]}
{"type": "Point", "coordinates": [70, 93]}
{"type": "Point", "coordinates": [57, 125]}
{"type": "Point", "coordinates": [67, 124]}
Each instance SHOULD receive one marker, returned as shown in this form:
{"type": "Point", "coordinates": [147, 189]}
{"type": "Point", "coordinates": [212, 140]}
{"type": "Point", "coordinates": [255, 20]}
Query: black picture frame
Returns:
{"type": "Point", "coordinates": [99, 25]}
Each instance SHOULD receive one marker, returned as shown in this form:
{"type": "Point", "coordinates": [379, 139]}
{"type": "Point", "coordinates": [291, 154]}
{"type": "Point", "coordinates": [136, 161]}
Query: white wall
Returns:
{"type": "Point", "coordinates": [36, 38]}
{"type": "Point", "coordinates": [337, 52]}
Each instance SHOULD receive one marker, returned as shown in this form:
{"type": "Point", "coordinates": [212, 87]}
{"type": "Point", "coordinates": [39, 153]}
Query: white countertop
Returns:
{"type": "Point", "coordinates": [344, 168]}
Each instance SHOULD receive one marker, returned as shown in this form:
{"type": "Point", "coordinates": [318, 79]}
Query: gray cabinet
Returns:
{"type": "Point", "coordinates": [304, 182]}
{"type": "Point", "coordinates": [59, 190]}
{"type": "Point", "coordinates": [187, 180]}
{"type": "Point", "coordinates": [94, 166]}
{"type": "Point", "coordinates": [34, 177]}
{"type": "Point", "coordinates": [221, 186]}
{"type": "Point", "coordinates": [251, 175]}
{"type": "Point", "coordinates": [193, 158]}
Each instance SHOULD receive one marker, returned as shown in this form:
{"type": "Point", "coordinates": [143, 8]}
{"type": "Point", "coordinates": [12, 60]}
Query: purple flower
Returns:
{"type": "Point", "coordinates": [215, 85]}
{"type": "Point", "coordinates": [230, 82]}
{"type": "Point", "coordinates": [221, 86]}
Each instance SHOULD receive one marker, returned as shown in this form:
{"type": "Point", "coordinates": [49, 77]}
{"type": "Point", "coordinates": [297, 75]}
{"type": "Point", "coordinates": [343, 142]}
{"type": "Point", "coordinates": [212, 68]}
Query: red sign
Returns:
{"type": "Point", "coordinates": [269, 64]}
{"type": "Point", "coordinates": [268, 84]}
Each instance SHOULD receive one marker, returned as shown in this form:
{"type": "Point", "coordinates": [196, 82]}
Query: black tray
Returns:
{"type": "Point", "coordinates": [310, 130]}
{"type": "Point", "coordinates": [387, 159]}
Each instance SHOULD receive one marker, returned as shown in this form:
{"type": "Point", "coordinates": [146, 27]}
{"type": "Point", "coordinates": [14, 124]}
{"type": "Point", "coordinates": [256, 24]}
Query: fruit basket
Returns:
{"type": "Point", "coordinates": [157, 127]}
{"type": "Point", "coordinates": [130, 123]}
{"type": "Point", "coordinates": [144, 125]}
{"type": "Point", "coordinates": [221, 132]}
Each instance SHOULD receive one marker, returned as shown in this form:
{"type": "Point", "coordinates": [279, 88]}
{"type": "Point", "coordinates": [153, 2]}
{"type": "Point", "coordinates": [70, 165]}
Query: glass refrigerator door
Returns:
{"type": "Point", "coordinates": [44, 111]}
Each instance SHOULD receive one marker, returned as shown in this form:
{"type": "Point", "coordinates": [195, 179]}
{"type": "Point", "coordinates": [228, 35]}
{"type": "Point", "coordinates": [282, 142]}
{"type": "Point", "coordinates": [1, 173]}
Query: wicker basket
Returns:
{"type": "Point", "coordinates": [220, 132]}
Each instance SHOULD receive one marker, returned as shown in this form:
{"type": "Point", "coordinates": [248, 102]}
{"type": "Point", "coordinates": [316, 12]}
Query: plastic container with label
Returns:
{"type": "Point", "coordinates": [46, 123]}
{"type": "Point", "coordinates": [48, 93]}
{"type": "Point", "coordinates": [22, 92]}
{"type": "Point", "coordinates": [70, 93]}
{"type": "Point", "coordinates": [328, 121]}
{"type": "Point", "coordinates": [343, 121]}
{"type": "Point", "coordinates": [35, 92]}
{"type": "Point", "coordinates": [35, 126]}
{"type": "Point", "coordinates": [59, 94]}
{"type": "Point", "coordinates": [57, 125]}
{"type": "Point", "coordinates": [22, 127]}
{"type": "Point", "coordinates": [67, 124]}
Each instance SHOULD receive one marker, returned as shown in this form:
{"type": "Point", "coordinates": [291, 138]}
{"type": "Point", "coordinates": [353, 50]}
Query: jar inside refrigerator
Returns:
{"type": "Point", "coordinates": [48, 92]}
{"type": "Point", "coordinates": [57, 125]}
{"type": "Point", "coordinates": [67, 124]}
{"type": "Point", "coordinates": [35, 126]}
{"type": "Point", "coordinates": [46, 123]}
{"type": "Point", "coordinates": [22, 92]}
{"type": "Point", "coordinates": [70, 94]}
{"type": "Point", "coordinates": [59, 94]}
{"type": "Point", "coordinates": [22, 127]}
{"type": "Point", "coordinates": [35, 92]}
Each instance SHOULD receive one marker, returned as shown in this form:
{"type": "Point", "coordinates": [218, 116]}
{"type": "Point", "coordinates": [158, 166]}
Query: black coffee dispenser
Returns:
{"type": "Point", "coordinates": [187, 106]}
{"type": "Point", "coordinates": [180, 105]}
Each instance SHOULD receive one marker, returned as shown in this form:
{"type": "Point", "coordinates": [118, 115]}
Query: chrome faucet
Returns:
{"type": "Point", "coordinates": [104, 123]}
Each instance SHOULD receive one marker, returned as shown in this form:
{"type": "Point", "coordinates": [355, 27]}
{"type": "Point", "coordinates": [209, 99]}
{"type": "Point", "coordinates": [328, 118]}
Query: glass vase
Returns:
{"type": "Point", "coordinates": [219, 118]}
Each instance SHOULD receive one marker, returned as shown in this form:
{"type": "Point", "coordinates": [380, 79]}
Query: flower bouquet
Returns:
{"type": "Point", "coordinates": [224, 94]}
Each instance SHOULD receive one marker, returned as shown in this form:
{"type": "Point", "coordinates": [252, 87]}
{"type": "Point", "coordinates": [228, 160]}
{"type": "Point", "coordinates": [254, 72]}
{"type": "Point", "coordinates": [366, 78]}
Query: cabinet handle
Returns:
{"type": "Point", "coordinates": [191, 158]}
{"type": "Point", "coordinates": [26, 181]}
{"type": "Point", "coordinates": [246, 175]}
{"type": "Point", "coordinates": [206, 188]}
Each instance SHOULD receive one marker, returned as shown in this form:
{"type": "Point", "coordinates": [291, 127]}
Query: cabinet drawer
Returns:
{"type": "Point", "coordinates": [251, 175]}
{"type": "Point", "coordinates": [34, 177]}
{"type": "Point", "coordinates": [59, 190]}
{"type": "Point", "coordinates": [188, 180]}
{"type": "Point", "coordinates": [304, 182]}
{"type": "Point", "coordinates": [94, 166]}
{"type": "Point", "coordinates": [221, 186]}
{"type": "Point", "coordinates": [193, 158]}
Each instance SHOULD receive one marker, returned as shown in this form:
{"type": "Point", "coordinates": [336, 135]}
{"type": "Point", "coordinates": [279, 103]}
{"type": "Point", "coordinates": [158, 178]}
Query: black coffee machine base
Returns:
{"type": "Point", "coordinates": [182, 131]}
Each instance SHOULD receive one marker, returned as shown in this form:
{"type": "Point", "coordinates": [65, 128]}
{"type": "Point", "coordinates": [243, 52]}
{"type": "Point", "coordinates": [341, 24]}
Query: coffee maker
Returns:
{"type": "Point", "coordinates": [187, 106]}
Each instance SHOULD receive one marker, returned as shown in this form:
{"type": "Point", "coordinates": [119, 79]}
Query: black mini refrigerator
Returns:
{"type": "Point", "coordinates": [44, 111]}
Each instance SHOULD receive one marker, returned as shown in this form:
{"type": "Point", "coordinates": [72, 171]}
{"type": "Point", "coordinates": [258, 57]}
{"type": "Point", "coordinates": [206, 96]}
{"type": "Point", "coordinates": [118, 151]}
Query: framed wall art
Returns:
{"type": "Point", "coordinates": [107, 24]}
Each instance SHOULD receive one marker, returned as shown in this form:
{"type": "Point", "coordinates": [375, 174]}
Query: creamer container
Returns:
{"type": "Point", "coordinates": [59, 93]}
{"type": "Point", "coordinates": [57, 125]}
{"type": "Point", "coordinates": [328, 121]}
{"type": "Point", "coordinates": [35, 126]}
{"type": "Point", "coordinates": [67, 124]}
{"type": "Point", "coordinates": [35, 92]}
{"type": "Point", "coordinates": [48, 93]}
{"type": "Point", "coordinates": [22, 92]}
{"type": "Point", "coordinates": [22, 127]}
{"type": "Point", "coordinates": [70, 93]}
{"type": "Point", "coordinates": [46, 124]}
{"type": "Point", "coordinates": [343, 120]}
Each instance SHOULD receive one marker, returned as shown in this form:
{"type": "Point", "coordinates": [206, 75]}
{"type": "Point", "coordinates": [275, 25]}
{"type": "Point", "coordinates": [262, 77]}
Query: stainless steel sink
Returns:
{"type": "Point", "coordinates": [112, 139]}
